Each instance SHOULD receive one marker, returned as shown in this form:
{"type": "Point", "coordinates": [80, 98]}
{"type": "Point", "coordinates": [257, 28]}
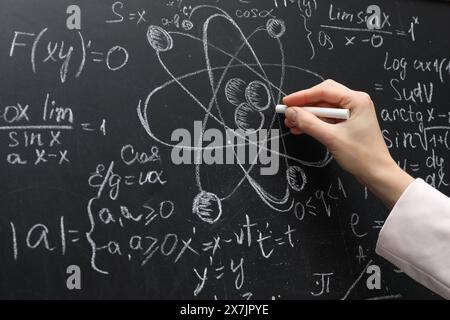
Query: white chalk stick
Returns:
{"type": "Point", "coordinates": [335, 113]}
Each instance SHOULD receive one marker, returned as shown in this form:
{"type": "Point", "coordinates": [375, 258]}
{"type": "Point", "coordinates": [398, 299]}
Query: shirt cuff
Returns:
{"type": "Point", "coordinates": [416, 236]}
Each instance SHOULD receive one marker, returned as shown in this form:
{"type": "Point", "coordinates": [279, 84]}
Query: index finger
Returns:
{"type": "Point", "coordinates": [328, 91]}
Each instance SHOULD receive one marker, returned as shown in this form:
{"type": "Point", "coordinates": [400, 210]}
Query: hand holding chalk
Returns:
{"type": "Point", "coordinates": [357, 145]}
{"type": "Point", "coordinates": [335, 113]}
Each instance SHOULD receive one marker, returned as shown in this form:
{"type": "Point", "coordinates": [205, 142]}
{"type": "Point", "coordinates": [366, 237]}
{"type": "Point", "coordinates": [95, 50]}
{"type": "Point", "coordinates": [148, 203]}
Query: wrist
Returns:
{"type": "Point", "coordinates": [387, 181]}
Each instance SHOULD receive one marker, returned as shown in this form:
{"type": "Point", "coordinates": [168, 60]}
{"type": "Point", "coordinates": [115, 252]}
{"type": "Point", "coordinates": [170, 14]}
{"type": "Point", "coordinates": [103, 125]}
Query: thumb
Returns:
{"type": "Point", "coordinates": [310, 124]}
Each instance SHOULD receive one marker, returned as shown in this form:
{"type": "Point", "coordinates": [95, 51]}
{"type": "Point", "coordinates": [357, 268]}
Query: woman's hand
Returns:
{"type": "Point", "coordinates": [357, 143]}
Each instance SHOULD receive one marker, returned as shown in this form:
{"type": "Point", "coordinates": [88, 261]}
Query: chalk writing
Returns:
{"type": "Point", "coordinates": [98, 98]}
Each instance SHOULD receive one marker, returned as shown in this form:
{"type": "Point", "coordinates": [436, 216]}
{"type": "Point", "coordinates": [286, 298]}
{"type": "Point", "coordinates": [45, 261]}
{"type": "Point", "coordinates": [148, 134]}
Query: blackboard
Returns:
{"type": "Point", "coordinates": [92, 111]}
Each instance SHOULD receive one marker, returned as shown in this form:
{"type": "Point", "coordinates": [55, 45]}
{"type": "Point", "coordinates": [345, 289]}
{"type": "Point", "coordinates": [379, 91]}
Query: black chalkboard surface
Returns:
{"type": "Point", "coordinates": [120, 163]}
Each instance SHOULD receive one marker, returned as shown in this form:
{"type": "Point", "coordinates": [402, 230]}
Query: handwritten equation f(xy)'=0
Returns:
{"type": "Point", "coordinates": [69, 57]}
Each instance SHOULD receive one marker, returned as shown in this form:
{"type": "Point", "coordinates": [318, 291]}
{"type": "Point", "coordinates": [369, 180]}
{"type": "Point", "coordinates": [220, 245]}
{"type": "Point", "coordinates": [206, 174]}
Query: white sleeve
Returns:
{"type": "Point", "coordinates": [416, 236]}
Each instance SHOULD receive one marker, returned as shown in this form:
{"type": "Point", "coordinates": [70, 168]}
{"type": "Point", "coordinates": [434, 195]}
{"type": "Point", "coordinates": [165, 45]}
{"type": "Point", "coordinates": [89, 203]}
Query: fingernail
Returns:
{"type": "Point", "coordinates": [291, 114]}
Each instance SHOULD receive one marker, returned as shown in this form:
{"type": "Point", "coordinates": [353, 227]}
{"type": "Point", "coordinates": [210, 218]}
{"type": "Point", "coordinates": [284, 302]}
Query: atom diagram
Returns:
{"type": "Point", "coordinates": [242, 90]}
